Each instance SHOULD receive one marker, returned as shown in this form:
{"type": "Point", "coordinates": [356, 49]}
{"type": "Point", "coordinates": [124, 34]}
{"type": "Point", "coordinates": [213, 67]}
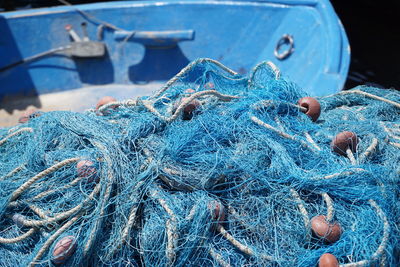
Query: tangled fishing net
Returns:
{"type": "Point", "coordinates": [215, 169]}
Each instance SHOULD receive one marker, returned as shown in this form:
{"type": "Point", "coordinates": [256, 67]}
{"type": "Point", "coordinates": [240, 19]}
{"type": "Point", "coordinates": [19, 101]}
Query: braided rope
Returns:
{"type": "Point", "coordinates": [51, 239]}
{"type": "Point", "coordinates": [340, 174]}
{"type": "Point", "coordinates": [369, 151]}
{"type": "Point", "coordinates": [171, 224]}
{"type": "Point", "coordinates": [186, 102]}
{"type": "Point", "coordinates": [329, 207]}
{"type": "Point", "coordinates": [356, 91]}
{"type": "Point", "coordinates": [283, 134]}
{"type": "Point", "coordinates": [386, 229]}
{"type": "Point", "coordinates": [127, 103]}
{"type": "Point", "coordinates": [62, 215]}
{"type": "Point", "coordinates": [311, 141]}
{"type": "Point", "coordinates": [302, 209]}
{"type": "Point", "coordinates": [49, 192]}
{"type": "Point", "coordinates": [394, 144]}
{"type": "Point", "coordinates": [270, 103]}
{"type": "Point", "coordinates": [11, 173]}
{"type": "Point", "coordinates": [52, 169]}
{"type": "Point", "coordinates": [18, 238]}
{"type": "Point", "coordinates": [390, 131]}
{"type": "Point", "coordinates": [187, 69]}
{"type": "Point", "coordinates": [104, 199]}
{"type": "Point", "coordinates": [5, 139]}
{"type": "Point", "coordinates": [351, 157]}
{"type": "Point", "coordinates": [39, 212]}
{"type": "Point", "coordinates": [132, 219]}
{"type": "Point", "coordinates": [218, 257]}
{"type": "Point", "coordinates": [382, 246]}
{"type": "Point", "coordinates": [125, 239]}
{"type": "Point", "coordinates": [172, 243]}
{"type": "Point", "coordinates": [46, 193]}
{"type": "Point", "coordinates": [192, 211]}
{"type": "Point", "coordinates": [274, 68]}
{"type": "Point", "coordinates": [243, 248]}
{"type": "Point", "coordinates": [237, 216]}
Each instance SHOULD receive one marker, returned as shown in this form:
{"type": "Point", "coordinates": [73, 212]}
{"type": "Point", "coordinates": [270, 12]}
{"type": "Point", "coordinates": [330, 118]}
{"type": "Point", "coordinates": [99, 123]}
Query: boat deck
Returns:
{"type": "Point", "coordinates": [73, 100]}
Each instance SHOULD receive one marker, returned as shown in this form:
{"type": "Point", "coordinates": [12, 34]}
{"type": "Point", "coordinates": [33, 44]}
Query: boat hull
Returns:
{"type": "Point", "coordinates": [239, 34]}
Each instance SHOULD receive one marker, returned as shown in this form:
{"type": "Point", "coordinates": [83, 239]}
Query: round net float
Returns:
{"type": "Point", "coordinates": [312, 106]}
{"type": "Point", "coordinates": [29, 114]}
{"type": "Point", "coordinates": [217, 211]}
{"type": "Point", "coordinates": [329, 232]}
{"type": "Point", "coordinates": [18, 219]}
{"type": "Point", "coordinates": [68, 27]}
{"type": "Point", "coordinates": [328, 260]}
{"type": "Point", "coordinates": [189, 91]}
{"type": "Point", "coordinates": [209, 86]}
{"type": "Point", "coordinates": [105, 100]}
{"type": "Point", "coordinates": [190, 109]}
{"type": "Point", "coordinates": [343, 141]}
{"type": "Point", "coordinates": [64, 249]}
{"type": "Point", "coordinates": [87, 168]}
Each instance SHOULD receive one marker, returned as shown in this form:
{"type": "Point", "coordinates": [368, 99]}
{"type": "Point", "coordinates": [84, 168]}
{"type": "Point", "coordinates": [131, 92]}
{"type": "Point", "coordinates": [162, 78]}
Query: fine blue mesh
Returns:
{"type": "Point", "coordinates": [152, 198]}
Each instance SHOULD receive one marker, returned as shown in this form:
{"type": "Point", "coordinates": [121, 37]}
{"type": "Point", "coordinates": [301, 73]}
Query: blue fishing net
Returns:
{"type": "Point", "coordinates": [214, 169]}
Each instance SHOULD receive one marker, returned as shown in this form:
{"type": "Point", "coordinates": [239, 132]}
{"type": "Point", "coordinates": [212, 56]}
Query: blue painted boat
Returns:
{"type": "Point", "coordinates": [132, 46]}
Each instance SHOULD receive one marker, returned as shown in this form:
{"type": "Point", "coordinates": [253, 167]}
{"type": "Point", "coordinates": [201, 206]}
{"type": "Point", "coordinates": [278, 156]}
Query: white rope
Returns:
{"type": "Point", "coordinates": [234, 214]}
{"type": "Point", "coordinates": [271, 103]}
{"type": "Point", "coordinates": [125, 235]}
{"type": "Point", "coordinates": [11, 173]}
{"type": "Point", "coordinates": [63, 215]}
{"type": "Point", "coordinates": [283, 134]}
{"type": "Point", "coordinates": [243, 248]}
{"type": "Point", "coordinates": [104, 198]}
{"type": "Point", "coordinates": [186, 102]}
{"type": "Point", "coordinates": [340, 174]}
{"type": "Point", "coordinates": [42, 214]}
{"type": "Point", "coordinates": [18, 238]}
{"type": "Point", "coordinates": [46, 193]}
{"type": "Point", "coordinates": [49, 170]}
{"type": "Point", "coordinates": [192, 211]}
{"type": "Point", "coordinates": [127, 103]}
{"type": "Point", "coordinates": [22, 130]}
{"type": "Point", "coordinates": [382, 246]}
{"type": "Point", "coordinates": [329, 207]}
{"type": "Point", "coordinates": [369, 151]}
{"type": "Point", "coordinates": [394, 144]}
{"type": "Point", "coordinates": [351, 157]}
{"type": "Point", "coordinates": [218, 258]}
{"type": "Point", "coordinates": [274, 68]}
{"type": "Point", "coordinates": [356, 91]}
{"type": "Point", "coordinates": [187, 69]}
{"type": "Point", "coordinates": [302, 209]}
{"type": "Point", "coordinates": [51, 239]}
{"type": "Point", "coordinates": [269, 127]}
{"type": "Point", "coordinates": [171, 227]}
{"type": "Point", "coordinates": [311, 141]}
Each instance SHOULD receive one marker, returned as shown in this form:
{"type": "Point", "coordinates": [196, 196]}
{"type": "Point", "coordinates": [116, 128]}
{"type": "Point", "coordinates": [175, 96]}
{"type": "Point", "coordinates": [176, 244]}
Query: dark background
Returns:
{"type": "Point", "coordinates": [373, 29]}
{"type": "Point", "coordinates": [372, 26]}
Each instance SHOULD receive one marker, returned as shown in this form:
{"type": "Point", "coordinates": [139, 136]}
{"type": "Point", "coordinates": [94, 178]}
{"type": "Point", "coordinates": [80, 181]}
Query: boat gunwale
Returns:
{"type": "Point", "coordinates": [134, 4]}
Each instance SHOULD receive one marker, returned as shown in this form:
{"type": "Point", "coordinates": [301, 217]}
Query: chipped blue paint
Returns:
{"type": "Point", "coordinates": [238, 33]}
